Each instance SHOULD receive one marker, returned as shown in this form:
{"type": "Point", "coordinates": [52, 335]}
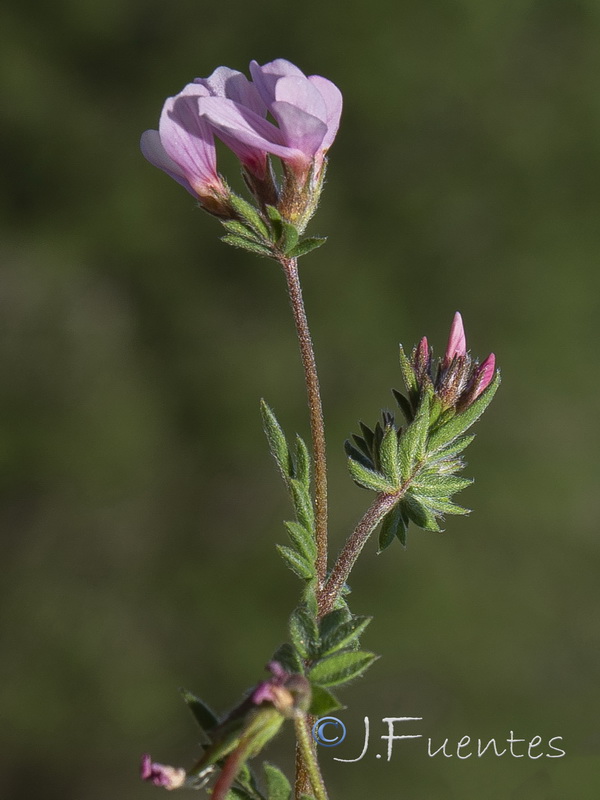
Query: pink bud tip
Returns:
{"type": "Point", "coordinates": [485, 374]}
{"type": "Point", "coordinates": [457, 343]}
{"type": "Point", "coordinates": [423, 350]}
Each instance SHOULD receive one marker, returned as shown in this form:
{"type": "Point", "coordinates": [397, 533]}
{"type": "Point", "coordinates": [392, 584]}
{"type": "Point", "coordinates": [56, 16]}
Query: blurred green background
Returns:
{"type": "Point", "coordinates": [140, 507]}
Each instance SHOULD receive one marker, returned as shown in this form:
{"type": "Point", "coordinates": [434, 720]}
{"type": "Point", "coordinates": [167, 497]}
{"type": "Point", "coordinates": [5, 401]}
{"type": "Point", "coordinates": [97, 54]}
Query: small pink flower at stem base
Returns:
{"type": "Point", "coordinates": [161, 774]}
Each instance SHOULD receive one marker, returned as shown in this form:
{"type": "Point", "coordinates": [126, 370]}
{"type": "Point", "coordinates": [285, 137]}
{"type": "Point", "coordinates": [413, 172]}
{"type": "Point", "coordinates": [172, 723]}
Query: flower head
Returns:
{"type": "Point", "coordinates": [306, 113]}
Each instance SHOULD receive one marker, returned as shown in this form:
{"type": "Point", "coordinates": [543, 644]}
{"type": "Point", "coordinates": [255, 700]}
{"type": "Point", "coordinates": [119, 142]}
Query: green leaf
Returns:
{"type": "Point", "coordinates": [408, 373]}
{"type": "Point", "coordinates": [369, 479]}
{"type": "Point", "coordinates": [456, 426]}
{"type": "Point", "coordinates": [341, 667]}
{"type": "Point", "coordinates": [323, 702]}
{"type": "Point", "coordinates": [277, 442]}
{"type": "Point", "coordinates": [442, 505]}
{"type": "Point", "coordinates": [278, 786]}
{"type": "Point", "coordinates": [288, 657]}
{"type": "Point", "coordinates": [302, 463]}
{"type": "Point", "coordinates": [247, 244]}
{"type": "Point", "coordinates": [310, 599]}
{"type": "Point", "coordinates": [338, 631]}
{"type": "Point", "coordinates": [368, 437]}
{"type": "Point", "coordinates": [389, 458]}
{"type": "Point", "coordinates": [246, 781]}
{"type": "Point", "coordinates": [304, 633]}
{"type": "Point", "coordinates": [356, 455]}
{"type": "Point", "coordinates": [411, 449]}
{"type": "Point", "coordinates": [394, 526]}
{"type": "Point", "coordinates": [276, 221]}
{"type": "Point", "coordinates": [307, 797]}
{"type": "Point", "coordinates": [440, 486]}
{"type": "Point", "coordinates": [405, 405]}
{"type": "Point", "coordinates": [306, 246]}
{"type": "Point", "coordinates": [249, 214]}
{"type": "Point", "coordinates": [302, 504]}
{"type": "Point", "coordinates": [289, 238]}
{"type": "Point", "coordinates": [363, 445]}
{"type": "Point", "coordinates": [453, 449]}
{"type": "Point", "coordinates": [420, 514]}
{"type": "Point", "coordinates": [297, 563]}
{"type": "Point", "coordinates": [239, 229]}
{"type": "Point", "coordinates": [237, 793]}
{"type": "Point", "coordinates": [332, 621]}
{"type": "Point", "coordinates": [302, 539]}
{"type": "Point", "coordinates": [204, 716]}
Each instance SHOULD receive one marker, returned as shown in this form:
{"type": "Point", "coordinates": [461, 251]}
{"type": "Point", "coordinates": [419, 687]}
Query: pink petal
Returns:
{"type": "Point", "coordinates": [333, 103]}
{"type": "Point", "coordinates": [153, 150]}
{"type": "Point", "coordinates": [422, 356]}
{"type": "Point", "coordinates": [457, 343]}
{"type": "Point", "coordinates": [146, 767]}
{"type": "Point", "coordinates": [300, 130]}
{"type": "Point", "coordinates": [188, 139]}
{"type": "Point", "coordinates": [484, 375]}
{"type": "Point", "coordinates": [301, 93]}
{"type": "Point", "coordinates": [245, 132]}
{"type": "Point", "coordinates": [265, 78]}
{"type": "Point", "coordinates": [230, 83]}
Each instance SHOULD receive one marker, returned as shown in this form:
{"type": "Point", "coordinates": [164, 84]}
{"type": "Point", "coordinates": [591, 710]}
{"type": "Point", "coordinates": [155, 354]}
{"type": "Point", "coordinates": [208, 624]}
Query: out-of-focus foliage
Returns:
{"type": "Point", "coordinates": [138, 493]}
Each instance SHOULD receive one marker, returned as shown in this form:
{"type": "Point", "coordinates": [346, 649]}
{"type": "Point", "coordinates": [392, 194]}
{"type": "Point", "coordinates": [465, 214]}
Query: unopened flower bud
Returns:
{"type": "Point", "coordinates": [457, 343]}
{"type": "Point", "coordinates": [422, 359]}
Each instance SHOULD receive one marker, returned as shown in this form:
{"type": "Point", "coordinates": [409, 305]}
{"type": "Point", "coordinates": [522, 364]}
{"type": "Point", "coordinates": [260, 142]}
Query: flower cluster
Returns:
{"type": "Point", "coordinates": [416, 464]}
{"type": "Point", "coordinates": [306, 113]}
{"type": "Point", "coordinates": [458, 379]}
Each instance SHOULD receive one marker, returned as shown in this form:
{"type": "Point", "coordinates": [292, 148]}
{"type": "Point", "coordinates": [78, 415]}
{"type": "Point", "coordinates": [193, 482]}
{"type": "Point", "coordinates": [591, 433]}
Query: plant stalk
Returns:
{"type": "Point", "coordinates": [290, 269]}
{"type": "Point", "coordinates": [309, 760]}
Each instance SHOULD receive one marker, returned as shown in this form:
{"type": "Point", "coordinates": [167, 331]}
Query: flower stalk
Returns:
{"type": "Point", "coordinates": [311, 378]}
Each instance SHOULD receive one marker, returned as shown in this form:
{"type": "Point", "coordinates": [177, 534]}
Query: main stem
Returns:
{"type": "Point", "coordinates": [307, 766]}
{"type": "Point", "coordinates": [290, 269]}
{"type": "Point", "coordinates": [306, 747]}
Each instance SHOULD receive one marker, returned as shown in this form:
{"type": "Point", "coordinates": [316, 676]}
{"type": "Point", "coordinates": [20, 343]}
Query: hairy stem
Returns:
{"type": "Point", "coordinates": [310, 764]}
{"type": "Point", "coordinates": [302, 783]}
{"type": "Point", "coordinates": [352, 548]}
{"type": "Point", "coordinates": [290, 269]}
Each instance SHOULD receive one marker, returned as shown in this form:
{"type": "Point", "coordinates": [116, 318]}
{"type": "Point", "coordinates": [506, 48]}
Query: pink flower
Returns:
{"type": "Point", "coordinates": [307, 112]}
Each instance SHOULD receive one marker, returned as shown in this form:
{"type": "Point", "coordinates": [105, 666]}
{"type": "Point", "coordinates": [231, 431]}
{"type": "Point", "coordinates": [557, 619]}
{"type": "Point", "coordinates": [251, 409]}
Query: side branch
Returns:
{"type": "Point", "coordinates": [352, 548]}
